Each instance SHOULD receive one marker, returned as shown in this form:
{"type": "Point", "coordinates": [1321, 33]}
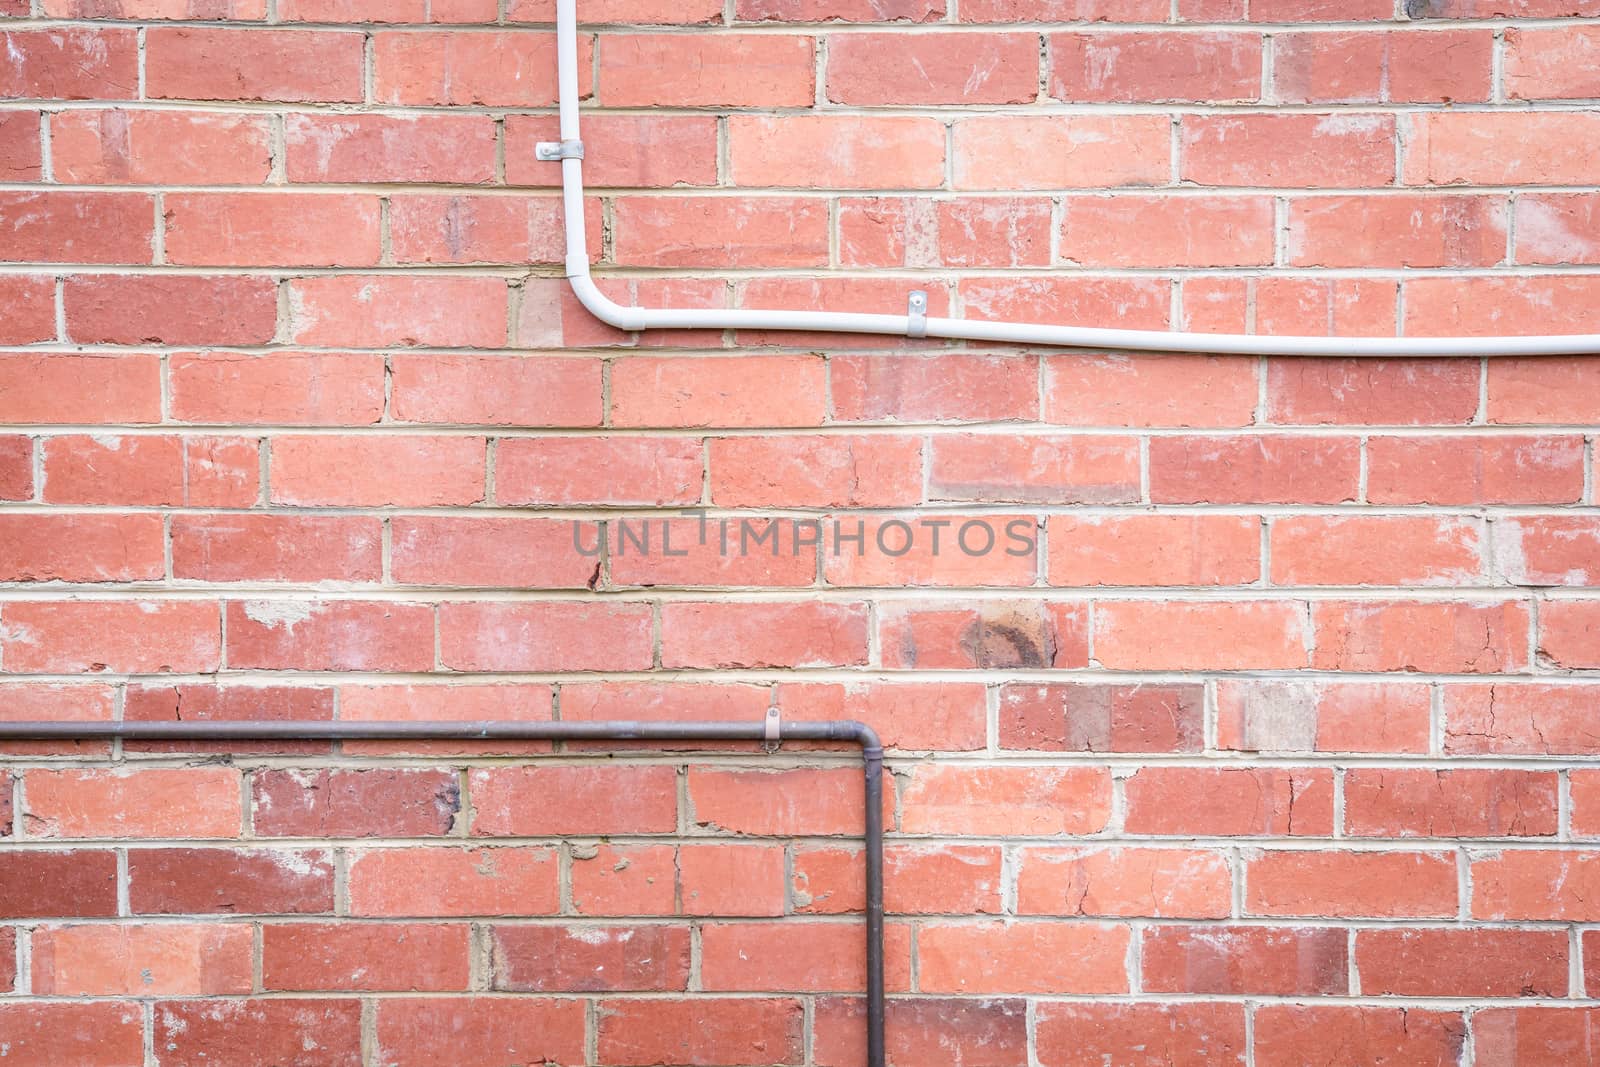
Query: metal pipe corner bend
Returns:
{"type": "Point", "coordinates": [770, 731]}
{"type": "Point", "coordinates": [625, 317]}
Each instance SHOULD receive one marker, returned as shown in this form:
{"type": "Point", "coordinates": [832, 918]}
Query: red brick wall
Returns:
{"type": "Point", "coordinates": [1273, 745]}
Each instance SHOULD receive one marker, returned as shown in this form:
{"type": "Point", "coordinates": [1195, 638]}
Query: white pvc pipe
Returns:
{"type": "Point", "coordinates": [1029, 333]}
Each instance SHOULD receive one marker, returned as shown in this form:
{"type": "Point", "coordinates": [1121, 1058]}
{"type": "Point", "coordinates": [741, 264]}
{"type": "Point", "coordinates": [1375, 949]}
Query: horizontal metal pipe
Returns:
{"type": "Point", "coordinates": [843, 730]}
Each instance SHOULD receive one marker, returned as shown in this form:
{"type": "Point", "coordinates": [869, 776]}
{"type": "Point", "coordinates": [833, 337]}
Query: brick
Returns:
{"type": "Point", "coordinates": [1585, 789]}
{"type": "Point", "coordinates": [1446, 637]}
{"type": "Point", "coordinates": [150, 470]}
{"type": "Point", "coordinates": [1365, 67]}
{"type": "Point", "coordinates": [1462, 962]}
{"type": "Point", "coordinates": [1552, 64]}
{"type": "Point", "coordinates": [461, 702]}
{"type": "Point", "coordinates": [622, 151]}
{"type": "Point", "coordinates": [277, 388]}
{"type": "Point", "coordinates": [1252, 960]}
{"type": "Point", "coordinates": [410, 312]}
{"type": "Point", "coordinates": [834, 152]}
{"type": "Point", "coordinates": [1041, 469]}
{"type": "Point", "coordinates": [71, 63]}
{"type": "Point", "coordinates": [1142, 303]}
{"type": "Point", "coordinates": [30, 299]}
{"type": "Point", "coordinates": [1475, 470]}
{"type": "Point", "coordinates": [801, 956]}
{"type": "Point", "coordinates": [922, 232]}
{"type": "Point", "coordinates": [1062, 151]}
{"type": "Point", "coordinates": [1383, 802]}
{"type": "Point", "coordinates": [120, 637]}
{"type": "Point", "coordinates": [20, 147]}
{"type": "Point", "coordinates": [1115, 550]}
{"type": "Point", "coordinates": [1006, 800]}
{"type": "Point", "coordinates": [1478, 9]}
{"type": "Point", "coordinates": [354, 803]}
{"type": "Point", "coordinates": [933, 68]}
{"type": "Point", "coordinates": [481, 229]}
{"type": "Point", "coordinates": [1396, 231]}
{"type": "Point", "coordinates": [763, 635]}
{"type": "Point", "coordinates": [1372, 392]}
{"type": "Point", "coordinates": [707, 70]}
{"type": "Point", "coordinates": [838, 10]}
{"type": "Point", "coordinates": [117, 146]}
{"type": "Point", "coordinates": [1229, 801]}
{"type": "Point", "coordinates": [1337, 307]}
{"type": "Point", "coordinates": [75, 884]}
{"type": "Point", "coordinates": [1254, 469]}
{"type": "Point", "coordinates": [1344, 550]}
{"type": "Point", "coordinates": [1406, 885]}
{"type": "Point", "coordinates": [160, 960]}
{"type": "Point", "coordinates": [762, 803]}
{"type": "Point", "coordinates": [731, 880]}
{"type": "Point", "coordinates": [943, 716]}
{"type": "Point", "coordinates": [421, 882]}
{"type": "Point", "coordinates": [496, 390]}
{"type": "Point", "coordinates": [153, 802]}
{"type": "Point", "coordinates": [1542, 389]}
{"type": "Point", "coordinates": [722, 232]}
{"type": "Point", "coordinates": [986, 634]}
{"type": "Point", "coordinates": [1569, 633]}
{"type": "Point", "coordinates": [81, 548]}
{"type": "Point", "coordinates": [231, 10]}
{"type": "Point", "coordinates": [1177, 635]}
{"type": "Point", "coordinates": [968, 550]}
{"type": "Point", "coordinates": [255, 64]}
{"type": "Point", "coordinates": [443, 148]}
{"type": "Point", "coordinates": [625, 880]}
{"type": "Point", "coordinates": [1152, 882]}
{"type": "Point", "coordinates": [1022, 958]}
{"type": "Point", "coordinates": [1064, 11]}
{"type": "Point", "coordinates": [1493, 306]}
{"type": "Point", "coordinates": [953, 387]}
{"type": "Point", "coordinates": [691, 391]}
{"type": "Point", "coordinates": [357, 11]}
{"type": "Point", "coordinates": [202, 702]}
{"type": "Point", "coordinates": [1288, 150]}
{"type": "Point", "coordinates": [1539, 1037]}
{"type": "Point", "coordinates": [105, 1034]}
{"type": "Point", "coordinates": [730, 551]}
{"type": "Point", "coordinates": [1176, 390]}
{"type": "Point", "coordinates": [1101, 718]}
{"type": "Point", "coordinates": [482, 551]}
{"type": "Point", "coordinates": [174, 309]}
{"type": "Point", "coordinates": [1142, 66]}
{"type": "Point", "coordinates": [1185, 231]}
{"type": "Point", "coordinates": [412, 471]}
{"type": "Point", "coordinates": [258, 1033]}
{"type": "Point", "coordinates": [623, 11]}
{"type": "Point", "coordinates": [1140, 1034]}
{"type": "Point", "coordinates": [429, 1031]}
{"type": "Point", "coordinates": [544, 801]}
{"type": "Point", "coordinates": [815, 471]}
{"type": "Point", "coordinates": [1534, 884]}
{"type": "Point", "coordinates": [61, 227]}
{"type": "Point", "coordinates": [932, 879]}
{"type": "Point", "coordinates": [711, 1031]}
{"type": "Point", "coordinates": [271, 229]}
{"type": "Point", "coordinates": [1514, 720]}
{"type": "Point", "coordinates": [507, 68]}
{"type": "Point", "coordinates": [216, 881]}
{"type": "Point", "coordinates": [333, 635]}
{"type": "Point", "coordinates": [1540, 148]}
{"type": "Point", "coordinates": [977, 1032]}
{"type": "Point", "coordinates": [1558, 228]}
{"type": "Point", "coordinates": [598, 470]}
{"type": "Point", "coordinates": [483, 635]}
{"type": "Point", "coordinates": [1288, 1033]}
{"type": "Point", "coordinates": [376, 957]}
{"type": "Point", "coordinates": [16, 467]}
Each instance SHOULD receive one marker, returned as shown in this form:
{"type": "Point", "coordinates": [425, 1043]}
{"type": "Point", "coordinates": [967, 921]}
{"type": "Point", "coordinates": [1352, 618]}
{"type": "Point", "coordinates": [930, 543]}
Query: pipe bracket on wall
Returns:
{"type": "Point", "coordinates": [917, 313]}
{"type": "Point", "coordinates": [555, 151]}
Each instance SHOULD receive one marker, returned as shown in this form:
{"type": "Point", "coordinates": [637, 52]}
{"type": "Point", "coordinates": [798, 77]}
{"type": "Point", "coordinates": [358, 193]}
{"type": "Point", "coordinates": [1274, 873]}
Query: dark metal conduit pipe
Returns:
{"type": "Point", "coordinates": [616, 730]}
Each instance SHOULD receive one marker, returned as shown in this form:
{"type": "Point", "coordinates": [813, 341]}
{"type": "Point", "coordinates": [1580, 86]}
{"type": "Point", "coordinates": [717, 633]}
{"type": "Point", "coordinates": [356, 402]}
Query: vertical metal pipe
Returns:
{"type": "Point", "coordinates": [872, 758]}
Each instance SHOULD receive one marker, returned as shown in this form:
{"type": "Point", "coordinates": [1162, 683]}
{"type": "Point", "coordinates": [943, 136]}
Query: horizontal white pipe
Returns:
{"type": "Point", "coordinates": [626, 317]}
